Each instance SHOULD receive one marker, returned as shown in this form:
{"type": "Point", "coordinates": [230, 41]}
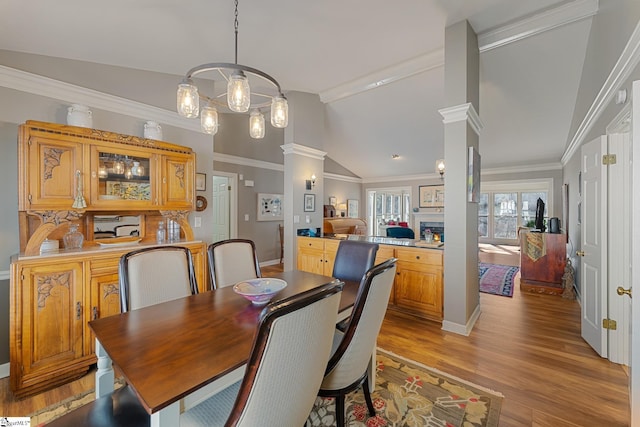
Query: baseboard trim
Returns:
{"type": "Point", "coordinates": [462, 329]}
{"type": "Point", "coordinates": [271, 262]}
{"type": "Point", "coordinates": [4, 370]}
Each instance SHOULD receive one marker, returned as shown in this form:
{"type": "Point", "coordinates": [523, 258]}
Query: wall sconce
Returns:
{"type": "Point", "coordinates": [440, 167]}
{"type": "Point", "coordinates": [311, 182]}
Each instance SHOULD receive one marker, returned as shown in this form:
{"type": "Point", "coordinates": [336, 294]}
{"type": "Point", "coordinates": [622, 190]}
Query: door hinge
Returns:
{"type": "Point", "coordinates": [609, 324]}
{"type": "Point", "coordinates": [30, 198]}
{"type": "Point", "coordinates": [608, 159]}
{"type": "Point", "coordinates": [229, 188]}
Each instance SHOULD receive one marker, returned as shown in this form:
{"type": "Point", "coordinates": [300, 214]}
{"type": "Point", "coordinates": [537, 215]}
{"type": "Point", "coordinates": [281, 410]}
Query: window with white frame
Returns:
{"type": "Point", "coordinates": [504, 206]}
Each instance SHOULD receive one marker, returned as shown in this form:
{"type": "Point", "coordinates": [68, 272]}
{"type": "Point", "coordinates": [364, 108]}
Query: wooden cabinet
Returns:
{"type": "Point", "coordinates": [53, 297]}
{"type": "Point", "coordinates": [317, 255]}
{"type": "Point", "coordinates": [542, 262]}
{"type": "Point", "coordinates": [177, 181]}
{"type": "Point", "coordinates": [419, 282]}
{"type": "Point", "coordinates": [418, 287]}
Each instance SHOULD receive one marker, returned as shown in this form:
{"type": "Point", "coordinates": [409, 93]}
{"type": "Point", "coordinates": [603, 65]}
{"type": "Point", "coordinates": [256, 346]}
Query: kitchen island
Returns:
{"type": "Point", "coordinates": [418, 287]}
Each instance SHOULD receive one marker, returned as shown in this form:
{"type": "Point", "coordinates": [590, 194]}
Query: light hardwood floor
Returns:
{"type": "Point", "coordinates": [527, 347]}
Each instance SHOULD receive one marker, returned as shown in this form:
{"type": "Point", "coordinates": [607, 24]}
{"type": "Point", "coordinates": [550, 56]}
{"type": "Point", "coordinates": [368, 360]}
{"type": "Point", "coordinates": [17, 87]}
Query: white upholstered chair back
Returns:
{"type": "Point", "coordinates": [231, 261]}
{"type": "Point", "coordinates": [153, 275]}
{"type": "Point", "coordinates": [285, 369]}
{"type": "Point", "coordinates": [352, 355]}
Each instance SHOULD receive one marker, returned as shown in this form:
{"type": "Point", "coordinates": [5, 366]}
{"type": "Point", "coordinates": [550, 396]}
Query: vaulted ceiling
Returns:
{"type": "Point", "coordinates": [377, 65]}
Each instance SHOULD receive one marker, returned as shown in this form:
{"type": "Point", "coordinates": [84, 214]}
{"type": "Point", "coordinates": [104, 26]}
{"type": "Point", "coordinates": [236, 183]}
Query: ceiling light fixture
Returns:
{"type": "Point", "coordinates": [395, 156]}
{"type": "Point", "coordinates": [239, 96]}
{"type": "Point", "coordinates": [440, 167]}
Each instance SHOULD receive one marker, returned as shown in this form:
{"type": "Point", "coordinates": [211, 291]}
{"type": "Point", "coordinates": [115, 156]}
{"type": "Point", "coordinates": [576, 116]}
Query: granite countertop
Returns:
{"type": "Point", "coordinates": [412, 243]}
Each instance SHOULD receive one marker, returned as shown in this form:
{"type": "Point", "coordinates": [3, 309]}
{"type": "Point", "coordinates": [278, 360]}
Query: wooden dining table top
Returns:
{"type": "Point", "coordinates": [169, 350]}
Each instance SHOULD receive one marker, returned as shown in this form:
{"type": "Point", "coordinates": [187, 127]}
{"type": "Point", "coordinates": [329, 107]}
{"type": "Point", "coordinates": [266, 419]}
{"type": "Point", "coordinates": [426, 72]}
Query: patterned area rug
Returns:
{"type": "Point", "coordinates": [497, 279]}
{"type": "Point", "coordinates": [407, 394]}
{"type": "Point", "coordinates": [411, 394]}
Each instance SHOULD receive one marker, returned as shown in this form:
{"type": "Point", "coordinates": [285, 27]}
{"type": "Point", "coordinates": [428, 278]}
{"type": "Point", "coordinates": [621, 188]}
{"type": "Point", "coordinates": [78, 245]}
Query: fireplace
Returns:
{"type": "Point", "coordinates": [431, 221]}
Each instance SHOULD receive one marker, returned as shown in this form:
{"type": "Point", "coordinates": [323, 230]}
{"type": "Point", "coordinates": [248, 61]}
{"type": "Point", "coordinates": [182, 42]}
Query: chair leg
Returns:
{"type": "Point", "coordinates": [340, 410]}
{"type": "Point", "coordinates": [367, 397]}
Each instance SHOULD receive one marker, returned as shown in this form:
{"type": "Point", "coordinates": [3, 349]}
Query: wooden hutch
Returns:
{"type": "Point", "coordinates": [55, 294]}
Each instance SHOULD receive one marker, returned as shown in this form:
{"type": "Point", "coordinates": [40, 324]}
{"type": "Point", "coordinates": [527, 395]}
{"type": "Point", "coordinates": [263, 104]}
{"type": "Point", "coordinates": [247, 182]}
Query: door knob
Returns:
{"type": "Point", "coordinates": [580, 253]}
{"type": "Point", "coordinates": [623, 291]}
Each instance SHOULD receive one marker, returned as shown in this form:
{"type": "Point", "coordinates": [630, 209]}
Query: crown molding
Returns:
{"type": "Point", "coordinates": [303, 150]}
{"type": "Point", "coordinates": [621, 71]}
{"type": "Point", "coordinates": [396, 178]}
{"type": "Point", "coordinates": [402, 70]}
{"type": "Point", "coordinates": [538, 23]}
{"type": "Point", "coordinates": [345, 178]}
{"type": "Point", "coordinates": [35, 84]}
{"type": "Point", "coordinates": [244, 161]}
{"type": "Point", "coordinates": [460, 113]}
{"type": "Point", "coordinates": [520, 169]}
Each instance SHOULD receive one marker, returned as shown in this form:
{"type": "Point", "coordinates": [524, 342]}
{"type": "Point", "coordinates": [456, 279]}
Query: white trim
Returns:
{"type": "Point", "coordinates": [337, 177]}
{"type": "Point", "coordinates": [523, 185]}
{"type": "Point", "coordinates": [538, 23]}
{"type": "Point", "coordinates": [4, 370]}
{"type": "Point", "coordinates": [459, 113]}
{"type": "Point", "coordinates": [243, 161]}
{"type": "Point", "coordinates": [621, 123]}
{"type": "Point", "coordinates": [50, 88]}
{"type": "Point", "coordinates": [521, 169]}
{"type": "Point", "coordinates": [402, 70]}
{"type": "Point", "coordinates": [623, 68]}
{"type": "Point", "coordinates": [420, 177]}
{"type": "Point", "coordinates": [303, 150]}
{"type": "Point", "coordinates": [270, 262]}
{"type": "Point", "coordinates": [498, 37]}
{"type": "Point", "coordinates": [4, 275]}
{"type": "Point", "coordinates": [462, 329]}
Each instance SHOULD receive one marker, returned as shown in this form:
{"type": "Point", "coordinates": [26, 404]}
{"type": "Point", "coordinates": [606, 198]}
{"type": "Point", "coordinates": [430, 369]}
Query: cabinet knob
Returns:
{"type": "Point", "coordinates": [417, 256]}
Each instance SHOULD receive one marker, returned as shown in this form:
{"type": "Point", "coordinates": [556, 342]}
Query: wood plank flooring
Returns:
{"type": "Point", "coordinates": [527, 347]}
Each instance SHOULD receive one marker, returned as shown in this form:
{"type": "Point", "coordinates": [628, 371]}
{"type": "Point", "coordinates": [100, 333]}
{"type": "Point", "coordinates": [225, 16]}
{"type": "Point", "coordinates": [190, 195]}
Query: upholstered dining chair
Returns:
{"type": "Point", "coordinates": [352, 349]}
{"type": "Point", "coordinates": [153, 275]}
{"type": "Point", "coordinates": [231, 261]}
{"type": "Point", "coordinates": [285, 367]}
{"type": "Point", "coordinates": [401, 233]}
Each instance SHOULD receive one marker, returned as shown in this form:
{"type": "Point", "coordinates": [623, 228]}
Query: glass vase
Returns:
{"type": "Point", "coordinates": [73, 239]}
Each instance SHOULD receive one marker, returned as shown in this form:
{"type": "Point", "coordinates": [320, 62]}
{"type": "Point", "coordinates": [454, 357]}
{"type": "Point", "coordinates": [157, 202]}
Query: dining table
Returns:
{"type": "Point", "coordinates": [178, 353]}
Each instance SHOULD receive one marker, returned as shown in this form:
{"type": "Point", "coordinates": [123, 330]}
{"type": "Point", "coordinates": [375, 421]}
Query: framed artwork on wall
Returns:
{"type": "Point", "coordinates": [309, 202]}
{"type": "Point", "coordinates": [333, 201]}
{"type": "Point", "coordinates": [201, 181]}
{"type": "Point", "coordinates": [473, 176]}
{"type": "Point", "coordinates": [352, 208]}
{"type": "Point", "coordinates": [269, 207]}
{"type": "Point", "coordinates": [431, 196]}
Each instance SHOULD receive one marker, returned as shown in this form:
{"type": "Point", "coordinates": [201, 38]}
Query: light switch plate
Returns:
{"type": "Point", "coordinates": [197, 222]}
{"type": "Point", "coordinates": [248, 183]}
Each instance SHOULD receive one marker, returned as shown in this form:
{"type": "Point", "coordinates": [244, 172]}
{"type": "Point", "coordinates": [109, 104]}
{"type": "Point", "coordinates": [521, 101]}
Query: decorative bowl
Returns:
{"type": "Point", "coordinates": [259, 291]}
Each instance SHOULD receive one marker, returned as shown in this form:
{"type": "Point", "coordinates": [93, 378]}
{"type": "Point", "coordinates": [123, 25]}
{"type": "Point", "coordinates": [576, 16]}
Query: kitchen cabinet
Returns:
{"type": "Point", "coordinates": [53, 297]}
{"type": "Point", "coordinates": [418, 287]}
{"type": "Point", "coordinates": [317, 255]}
{"type": "Point", "coordinates": [177, 181]}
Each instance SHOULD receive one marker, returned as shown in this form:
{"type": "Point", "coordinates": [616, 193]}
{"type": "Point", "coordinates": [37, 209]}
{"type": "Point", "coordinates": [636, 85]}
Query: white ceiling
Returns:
{"type": "Point", "coordinates": [528, 84]}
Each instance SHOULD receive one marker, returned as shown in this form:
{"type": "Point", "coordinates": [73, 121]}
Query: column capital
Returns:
{"type": "Point", "coordinates": [460, 113]}
{"type": "Point", "coordinates": [303, 150]}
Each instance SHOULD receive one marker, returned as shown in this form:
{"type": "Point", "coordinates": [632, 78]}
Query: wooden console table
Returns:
{"type": "Point", "coordinates": [542, 262]}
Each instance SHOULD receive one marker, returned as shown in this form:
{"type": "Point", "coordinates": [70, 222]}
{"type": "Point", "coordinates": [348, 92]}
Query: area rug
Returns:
{"type": "Point", "coordinates": [497, 279]}
{"type": "Point", "coordinates": [408, 393]}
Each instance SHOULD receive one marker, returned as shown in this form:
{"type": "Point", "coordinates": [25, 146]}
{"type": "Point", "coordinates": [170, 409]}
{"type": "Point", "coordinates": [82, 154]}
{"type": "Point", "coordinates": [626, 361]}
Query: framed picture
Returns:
{"type": "Point", "coordinates": [269, 207]}
{"type": "Point", "coordinates": [431, 196]}
{"type": "Point", "coordinates": [352, 208]}
{"type": "Point", "coordinates": [201, 181]}
{"type": "Point", "coordinates": [309, 202]}
{"type": "Point", "coordinates": [333, 201]}
{"type": "Point", "coordinates": [473, 176]}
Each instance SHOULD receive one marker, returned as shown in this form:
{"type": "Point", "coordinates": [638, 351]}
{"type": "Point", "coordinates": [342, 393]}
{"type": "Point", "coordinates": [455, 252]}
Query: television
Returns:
{"type": "Point", "coordinates": [539, 223]}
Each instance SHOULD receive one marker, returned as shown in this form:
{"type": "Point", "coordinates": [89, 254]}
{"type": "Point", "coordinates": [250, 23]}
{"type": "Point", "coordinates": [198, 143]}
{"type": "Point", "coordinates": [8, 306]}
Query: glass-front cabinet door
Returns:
{"type": "Point", "coordinates": [122, 180]}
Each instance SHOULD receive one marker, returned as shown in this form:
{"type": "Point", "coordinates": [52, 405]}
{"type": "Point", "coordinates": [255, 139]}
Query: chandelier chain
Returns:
{"type": "Point", "coordinates": [235, 26]}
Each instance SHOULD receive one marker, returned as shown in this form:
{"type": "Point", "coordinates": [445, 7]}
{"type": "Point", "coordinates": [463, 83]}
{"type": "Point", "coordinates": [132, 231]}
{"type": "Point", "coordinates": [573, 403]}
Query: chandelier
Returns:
{"type": "Point", "coordinates": [240, 97]}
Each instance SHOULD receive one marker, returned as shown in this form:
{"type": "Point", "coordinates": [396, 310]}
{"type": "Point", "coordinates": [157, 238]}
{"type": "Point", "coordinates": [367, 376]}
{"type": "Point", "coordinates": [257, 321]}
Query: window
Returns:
{"type": "Point", "coordinates": [388, 204]}
{"type": "Point", "coordinates": [505, 206]}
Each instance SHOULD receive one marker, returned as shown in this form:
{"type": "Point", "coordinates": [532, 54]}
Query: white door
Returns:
{"type": "Point", "coordinates": [634, 383]}
{"type": "Point", "coordinates": [593, 265]}
{"type": "Point", "coordinates": [220, 201]}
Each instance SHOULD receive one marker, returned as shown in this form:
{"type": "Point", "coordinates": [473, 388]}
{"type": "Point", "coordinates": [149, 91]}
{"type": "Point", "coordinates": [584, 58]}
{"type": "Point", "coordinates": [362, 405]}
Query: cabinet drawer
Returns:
{"type": "Point", "coordinates": [311, 242]}
{"type": "Point", "coordinates": [422, 256]}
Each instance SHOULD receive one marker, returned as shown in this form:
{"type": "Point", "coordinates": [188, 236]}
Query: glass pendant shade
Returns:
{"type": "Point", "coordinates": [238, 92]}
{"type": "Point", "coordinates": [256, 125]}
{"type": "Point", "coordinates": [188, 100]}
{"type": "Point", "coordinates": [279, 112]}
{"type": "Point", "coordinates": [209, 120]}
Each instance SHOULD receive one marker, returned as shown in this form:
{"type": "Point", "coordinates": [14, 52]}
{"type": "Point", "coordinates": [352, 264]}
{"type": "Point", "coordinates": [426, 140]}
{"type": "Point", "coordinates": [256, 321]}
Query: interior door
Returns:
{"type": "Point", "coordinates": [220, 201]}
{"type": "Point", "coordinates": [593, 265]}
